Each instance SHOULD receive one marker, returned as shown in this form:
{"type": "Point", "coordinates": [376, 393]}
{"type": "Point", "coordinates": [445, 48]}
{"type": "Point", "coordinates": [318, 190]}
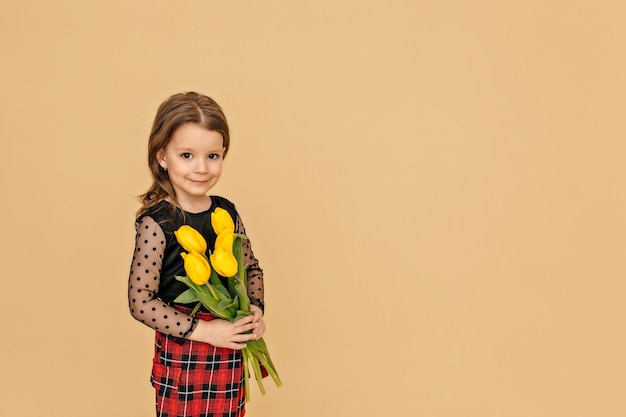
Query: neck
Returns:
{"type": "Point", "coordinates": [196, 205]}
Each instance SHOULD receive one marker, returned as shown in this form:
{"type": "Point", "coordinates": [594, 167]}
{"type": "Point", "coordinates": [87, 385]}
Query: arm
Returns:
{"type": "Point", "coordinates": [254, 281]}
{"type": "Point", "coordinates": [255, 273]}
{"type": "Point", "coordinates": [143, 284]}
{"type": "Point", "coordinates": [146, 307]}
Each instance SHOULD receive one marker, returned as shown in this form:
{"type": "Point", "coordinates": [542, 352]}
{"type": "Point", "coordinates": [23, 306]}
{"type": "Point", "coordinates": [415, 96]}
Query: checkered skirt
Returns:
{"type": "Point", "coordinates": [194, 379]}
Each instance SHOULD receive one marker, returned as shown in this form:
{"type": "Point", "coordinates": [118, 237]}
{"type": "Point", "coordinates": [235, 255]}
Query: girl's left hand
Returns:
{"type": "Point", "coordinates": [258, 318]}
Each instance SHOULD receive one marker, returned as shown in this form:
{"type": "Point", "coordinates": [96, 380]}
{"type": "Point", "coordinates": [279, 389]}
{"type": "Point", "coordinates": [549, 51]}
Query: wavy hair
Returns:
{"type": "Point", "coordinates": [174, 112]}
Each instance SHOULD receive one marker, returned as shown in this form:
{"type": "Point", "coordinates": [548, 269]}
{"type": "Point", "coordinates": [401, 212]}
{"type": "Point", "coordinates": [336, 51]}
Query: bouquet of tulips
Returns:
{"type": "Point", "coordinates": [229, 302]}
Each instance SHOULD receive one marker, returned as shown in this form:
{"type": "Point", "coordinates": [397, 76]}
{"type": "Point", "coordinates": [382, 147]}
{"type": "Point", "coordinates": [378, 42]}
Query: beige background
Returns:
{"type": "Point", "coordinates": [435, 191]}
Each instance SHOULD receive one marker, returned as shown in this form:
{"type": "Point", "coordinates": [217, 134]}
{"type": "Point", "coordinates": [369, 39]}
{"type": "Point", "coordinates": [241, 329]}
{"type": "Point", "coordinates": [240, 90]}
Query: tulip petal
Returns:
{"type": "Point", "coordinates": [190, 239]}
{"type": "Point", "coordinates": [197, 268]}
{"type": "Point", "coordinates": [221, 220]}
{"type": "Point", "coordinates": [225, 240]}
{"type": "Point", "coordinates": [223, 262]}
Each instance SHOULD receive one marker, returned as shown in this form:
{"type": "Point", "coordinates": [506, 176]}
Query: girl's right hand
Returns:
{"type": "Point", "coordinates": [222, 333]}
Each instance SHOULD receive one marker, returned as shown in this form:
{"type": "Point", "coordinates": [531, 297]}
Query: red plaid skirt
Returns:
{"type": "Point", "coordinates": [195, 379]}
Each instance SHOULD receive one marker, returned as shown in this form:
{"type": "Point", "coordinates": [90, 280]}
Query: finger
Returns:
{"type": "Point", "coordinates": [247, 327]}
{"type": "Point", "coordinates": [238, 346]}
{"type": "Point", "coordinates": [240, 338]}
{"type": "Point", "coordinates": [244, 320]}
{"type": "Point", "coordinates": [259, 333]}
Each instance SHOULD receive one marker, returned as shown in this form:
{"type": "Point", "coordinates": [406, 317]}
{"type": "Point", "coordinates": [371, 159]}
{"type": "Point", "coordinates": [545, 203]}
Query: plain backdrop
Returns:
{"type": "Point", "coordinates": [435, 190]}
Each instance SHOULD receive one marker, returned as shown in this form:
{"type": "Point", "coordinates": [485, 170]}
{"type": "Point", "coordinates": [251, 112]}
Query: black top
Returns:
{"type": "Point", "coordinates": [152, 286]}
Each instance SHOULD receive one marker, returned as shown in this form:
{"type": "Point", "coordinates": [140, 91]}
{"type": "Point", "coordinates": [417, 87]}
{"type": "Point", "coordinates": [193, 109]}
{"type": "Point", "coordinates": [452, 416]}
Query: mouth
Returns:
{"type": "Point", "coordinates": [199, 181]}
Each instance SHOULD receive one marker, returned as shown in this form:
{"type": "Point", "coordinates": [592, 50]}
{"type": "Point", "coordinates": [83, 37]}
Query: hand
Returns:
{"type": "Point", "coordinates": [222, 333]}
{"type": "Point", "coordinates": [258, 318]}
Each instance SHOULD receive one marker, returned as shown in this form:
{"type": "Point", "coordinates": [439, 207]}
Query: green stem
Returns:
{"type": "Point", "coordinates": [257, 372]}
{"type": "Point", "coordinates": [246, 373]}
{"type": "Point", "coordinates": [263, 357]}
{"type": "Point", "coordinates": [195, 309]}
{"type": "Point", "coordinates": [213, 292]}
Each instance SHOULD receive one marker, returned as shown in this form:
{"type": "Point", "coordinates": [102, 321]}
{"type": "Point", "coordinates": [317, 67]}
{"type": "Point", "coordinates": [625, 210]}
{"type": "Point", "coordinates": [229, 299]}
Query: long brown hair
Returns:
{"type": "Point", "coordinates": [174, 112]}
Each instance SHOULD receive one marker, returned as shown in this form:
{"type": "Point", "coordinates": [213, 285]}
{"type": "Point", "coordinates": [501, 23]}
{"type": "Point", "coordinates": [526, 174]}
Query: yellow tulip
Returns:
{"type": "Point", "coordinates": [225, 240]}
{"type": "Point", "coordinates": [190, 239]}
{"type": "Point", "coordinates": [224, 262]}
{"type": "Point", "coordinates": [197, 267]}
{"type": "Point", "coordinates": [221, 220]}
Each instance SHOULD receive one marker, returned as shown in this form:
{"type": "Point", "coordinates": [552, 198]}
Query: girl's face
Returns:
{"type": "Point", "coordinates": [193, 159]}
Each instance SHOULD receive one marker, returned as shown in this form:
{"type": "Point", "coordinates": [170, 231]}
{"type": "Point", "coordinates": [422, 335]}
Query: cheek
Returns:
{"type": "Point", "coordinates": [217, 168]}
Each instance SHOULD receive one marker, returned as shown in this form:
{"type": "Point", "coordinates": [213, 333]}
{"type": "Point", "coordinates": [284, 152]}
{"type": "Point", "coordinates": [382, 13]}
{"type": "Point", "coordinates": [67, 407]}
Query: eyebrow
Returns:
{"type": "Point", "coordinates": [185, 149]}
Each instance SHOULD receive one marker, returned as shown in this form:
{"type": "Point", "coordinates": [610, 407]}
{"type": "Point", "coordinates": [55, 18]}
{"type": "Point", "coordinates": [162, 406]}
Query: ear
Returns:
{"type": "Point", "coordinates": [160, 156]}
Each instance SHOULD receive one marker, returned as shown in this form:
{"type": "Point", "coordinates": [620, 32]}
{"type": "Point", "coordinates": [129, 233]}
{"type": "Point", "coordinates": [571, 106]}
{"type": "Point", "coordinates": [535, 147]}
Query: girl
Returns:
{"type": "Point", "coordinates": [197, 368]}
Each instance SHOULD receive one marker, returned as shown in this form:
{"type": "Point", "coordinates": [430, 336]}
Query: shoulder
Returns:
{"type": "Point", "coordinates": [163, 213]}
{"type": "Point", "coordinates": [146, 227]}
{"type": "Point", "coordinates": [223, 202]}
{"type": "Point", "coordinates": [227, 205]}
{"type": "Point", "coordinates": [160, 209]}
{"type": "Point", "coordinates": [219, 201]}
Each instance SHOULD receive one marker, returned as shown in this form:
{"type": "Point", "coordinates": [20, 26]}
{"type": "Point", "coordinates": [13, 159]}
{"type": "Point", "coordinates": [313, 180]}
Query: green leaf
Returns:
{"type": "Point", "coordinates": [240, 314]}
{"type": "Point", "coordinates": [231, 286]}
{"type": "Point", "coordinates": [242, 292]}
{"type": "Point", "coordinates": [214, 279]}
{"type": "Point", "coordinates": [228, 303]}
{"type": "Point", "coordinates": [206, 298]}
{"type": "Point", "coordinates": [222, 292]}
{"type": "Point", "coordinates": [185, 279]}
{"type": "Point", "coordinates": [189, 296]}
{"type": "Point", "coordinates": [238, 254]}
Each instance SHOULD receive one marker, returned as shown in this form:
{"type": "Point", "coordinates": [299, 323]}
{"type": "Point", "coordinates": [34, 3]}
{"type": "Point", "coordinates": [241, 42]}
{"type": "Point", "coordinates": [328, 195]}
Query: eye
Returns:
{"type": "Point", "coordinates": [214, 156]}
{"type": "Point", "coordinates": [185, 155]}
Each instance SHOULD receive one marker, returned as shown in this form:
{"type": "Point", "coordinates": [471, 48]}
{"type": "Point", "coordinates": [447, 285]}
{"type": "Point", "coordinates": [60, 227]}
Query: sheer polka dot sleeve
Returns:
{"type": "Point", "coordinates": [143, 284]}
{"type": "Point", "coordinates": [255, 273]}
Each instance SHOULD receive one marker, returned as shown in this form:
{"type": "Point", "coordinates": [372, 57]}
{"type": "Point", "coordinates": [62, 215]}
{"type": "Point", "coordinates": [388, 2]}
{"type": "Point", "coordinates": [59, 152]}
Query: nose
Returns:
{"type": "Point", "coordinates": [201, 166]}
